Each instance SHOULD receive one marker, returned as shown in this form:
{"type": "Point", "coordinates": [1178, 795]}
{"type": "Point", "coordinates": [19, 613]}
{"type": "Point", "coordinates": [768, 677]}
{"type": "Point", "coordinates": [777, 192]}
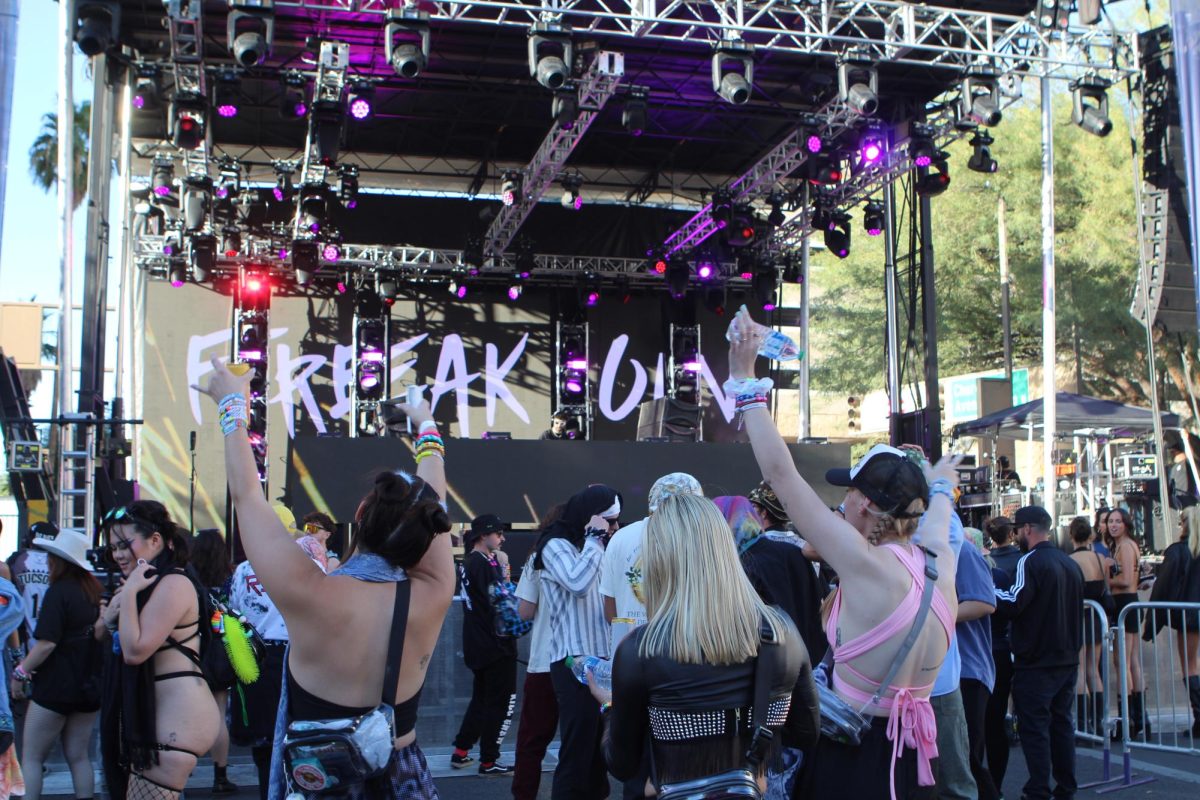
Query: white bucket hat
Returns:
{"type": "Point", "coordinates": [70, 545]}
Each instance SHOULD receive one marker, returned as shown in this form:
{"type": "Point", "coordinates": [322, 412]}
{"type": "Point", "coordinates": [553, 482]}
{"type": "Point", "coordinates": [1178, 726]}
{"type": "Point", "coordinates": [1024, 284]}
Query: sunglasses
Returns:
{"type": "Point", "coordinates": [122, 514]}
{"type": "Point", "coordinates": [314, 528]}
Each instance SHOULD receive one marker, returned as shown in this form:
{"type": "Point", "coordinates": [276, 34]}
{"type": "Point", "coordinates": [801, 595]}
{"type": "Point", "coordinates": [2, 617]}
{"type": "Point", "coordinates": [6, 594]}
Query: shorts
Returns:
{"type": "Point", "coordinates": [1131, 619]}
{"type": "Point", "coordinates": [838, 771]}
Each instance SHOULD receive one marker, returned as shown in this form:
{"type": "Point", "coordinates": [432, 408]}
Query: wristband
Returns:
{"type": "Point", "coordinates": [20, 674]}
{"type": "Point", "coordinates": [743, 386]}
{"type": "Point", "coordinates": [606, 706]}
{"type": "Point", "coordinates": [232, 413]}
{"type": "Point", "coordinates": [941, 486]}
{"type": "Point", "coordinates": [426, 426]}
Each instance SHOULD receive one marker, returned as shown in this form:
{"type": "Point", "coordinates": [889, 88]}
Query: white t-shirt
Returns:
{"type": "Point", "coordinates": [31, 576]}
{"type": "Point", "coordinates": [529, 589]}
{"type": "Point", "coordinates": [248, 596]}
{"type": "Point", "coordinates": [621, 579]}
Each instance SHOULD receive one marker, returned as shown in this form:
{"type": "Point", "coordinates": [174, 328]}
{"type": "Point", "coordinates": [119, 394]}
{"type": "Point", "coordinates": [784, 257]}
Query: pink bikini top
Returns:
{"type": "Point", "coordinates": [910, 719]}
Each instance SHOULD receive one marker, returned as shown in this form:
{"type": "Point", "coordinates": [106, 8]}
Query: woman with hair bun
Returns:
{"type": "Point", "coordinates": [346, 617]}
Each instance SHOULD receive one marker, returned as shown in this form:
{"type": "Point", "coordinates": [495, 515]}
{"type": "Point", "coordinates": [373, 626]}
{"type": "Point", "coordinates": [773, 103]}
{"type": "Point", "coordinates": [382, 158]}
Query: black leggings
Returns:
{"type": "Point", "coordinates": [995, 731]}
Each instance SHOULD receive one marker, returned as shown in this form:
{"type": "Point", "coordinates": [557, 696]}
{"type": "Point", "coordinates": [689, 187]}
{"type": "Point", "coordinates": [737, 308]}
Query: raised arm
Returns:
{"type": "Point", "coordinates": [437, 565]}
{"type": "Point", "coordinates": [574, 570]}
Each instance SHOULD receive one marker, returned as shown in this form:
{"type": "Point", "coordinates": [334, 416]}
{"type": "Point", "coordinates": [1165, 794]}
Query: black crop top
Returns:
{"type": "Point", "coordinates": [304, 705]}
{"type": "Point", "coordinates": [698, 715]}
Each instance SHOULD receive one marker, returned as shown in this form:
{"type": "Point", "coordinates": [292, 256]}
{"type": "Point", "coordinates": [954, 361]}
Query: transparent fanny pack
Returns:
{"type": "Point", "coordinates": [734, 783]}
{"type": "Point", "coordinates": [324, 756]}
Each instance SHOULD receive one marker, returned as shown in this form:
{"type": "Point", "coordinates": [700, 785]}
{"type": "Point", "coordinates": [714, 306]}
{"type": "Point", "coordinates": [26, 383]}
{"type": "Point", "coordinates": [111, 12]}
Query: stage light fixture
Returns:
{"type": "Point", "coordinates": [472, 254]}
{"type": "Point", "coordinates": [147, 92]}
{"type": "Point", "coordinates": [514, 291]}
{"type": "Point", "coordinates": [981, 158]}
{"type": "Point", "coordinates": [314, 207]}
{"type": "Point", "coordinates": [658, 265]}
{"type": "Point", "coordinates": [202, 257]}
{"type": "Point", "coordinates": [331, 252]}
{"type": "Point", "coordinates": [388, 289]}
{"type": "Point", "coordinates": [873, 218]}
{"type": "Point", "coordinates": [764, 285]}
{"type": "Point", "coordinates": [525, 262]}
{"type": "Point", "coordinates": [837, 234]}
{"type": "Point", "coordinates": [406, 40]}
{"type": "Point", "coordinates": [706, 269]}
{"type": "Point", "coordinates": [745, 266]}
{"type": "Point", "coordinates": [571, 197]}
{"type": "Point", "coordinates": [197, 201]}
{"type": "Point", "coordinates": [937, 179]}
{"type": "Point", "coordinates": [177, 272]}
{"type": "Point", "coordinates": [171, 245]}
{"type": "Point", "coordinates": [590, 286]}
{"type": "Point", "coordinates": [714, 300]}
{"type": "Point", "coordinates": [187, 120]}
{"type": "Point", "coordinates": [229, 178]}
{"type": "Point", "coordinates": [360, 100]}
{"type": "Point", "coordinates": [813, 142]}
{"type": "Point", "coordinates": [678, 274]}
{"type": "Point", "coordinates": [293, 103]}
{"type": "Point", "coordinates": [742, 229]}
{"type": "Point", "coordinates": [564, 108]}
{"type": "Point", "coordinates": [551, 54]}
{"type": "Point", "coordinates": [348, 186]}
{"type": "Point", "coordinates": [776, 217]}
{"type": "Point", "coordinates": [872, 147]}
{"type": "Point", "coordinates": [824, 170]}
{"type": "Point", "coordinates": [510, 187]}
{"type": "Point", "coordinates": [305, 260]}
{"type": "Point", "coordinates": [733, 84]}
{"type": "Point", "coordinates": [226, 94]}
{"type": "Point", "coordinates": [458, 288]}
{"type": "Point", "coordinates": [722, 207]}
{"type": "Point", "coordinates": [1089, 105]}
{"type": "Point", "coordinates": [858, 85]}
{"type": "Point", "coordinates": [921, 151]}
{"type": "Point", "coordinates": [250, 30]}
{"type": "Point", "coordinates": [370, 339]}
{"type": "Point", "coordinates": [1054, 14]}
{"type": "Point", "coordinates": [97, 26]}
{"type": "Point", "coordinates": [162, 176]}
{"type": "Point", "coordinates": [621, 288]}
{"type": "Point", "coordinates": [282, 192]}
{"type": "Point", "coordinates": [633, 115]}
{"type": "Point", "coordinates": [370, 381]}
{"type": "Point", "coordinates": [980, 99]}
{"type": "Point", "coordinates": [789, 271]}
{"type": "Point", "coordinates": [328, 120]}
{"type": "Point", "coordinates": [231, 242]}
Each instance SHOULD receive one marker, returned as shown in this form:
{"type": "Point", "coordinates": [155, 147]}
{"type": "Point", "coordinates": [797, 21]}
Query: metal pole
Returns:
{"type": "Point", "coordinates": [892, 315]}
{"type": "Point", "coordinates": [933, 410]}
{"type": "Point", "coordinates": [805, 396]}
{"type": "Point", "coordinates": [125, 289]}
{"type": "Point", "coordinates": [1049, 340]}
{"type": "Point", "coordinates": [66, 196]}
{"type": "Point", "coordinates": [1005, 287]}
{"type": "Point", "coordinates": [10, 10]}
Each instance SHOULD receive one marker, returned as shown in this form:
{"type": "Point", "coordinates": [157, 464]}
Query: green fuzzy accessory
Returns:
{"type": "Point", "coordinates": [241, 654]}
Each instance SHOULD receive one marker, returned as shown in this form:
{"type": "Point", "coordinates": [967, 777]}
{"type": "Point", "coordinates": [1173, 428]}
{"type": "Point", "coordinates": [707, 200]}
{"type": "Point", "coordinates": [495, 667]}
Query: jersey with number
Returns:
{"type": "Point", "coordinates": [31, 576]}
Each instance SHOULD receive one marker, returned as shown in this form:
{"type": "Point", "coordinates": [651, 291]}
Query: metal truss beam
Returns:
{"type": "Point", "coordinates": [594, 89]}
{"type": "Point", "coordinates": [186, 31]}
{"type": "Point", "coordinates": [887, 30]}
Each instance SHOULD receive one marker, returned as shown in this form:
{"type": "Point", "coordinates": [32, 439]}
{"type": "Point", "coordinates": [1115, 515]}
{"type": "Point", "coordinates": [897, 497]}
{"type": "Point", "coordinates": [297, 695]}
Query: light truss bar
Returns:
{"type": "Point", "coordinates": [594, 89]}
{"type": "Point", "coordinates": [185, 28]}
{"type": "Point", "coordinates": [331, 78]}
{"type": "Point", "coordinates": [887, 30]}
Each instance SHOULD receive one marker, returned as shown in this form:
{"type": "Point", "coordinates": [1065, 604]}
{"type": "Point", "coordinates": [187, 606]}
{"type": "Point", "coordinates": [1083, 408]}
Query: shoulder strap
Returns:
{"type": "Point", "coordinates": [391, 674]}
{"type": "Point", "coordinates": [761, 736]}
{"type": "Point", "coordinates": [931, 576]}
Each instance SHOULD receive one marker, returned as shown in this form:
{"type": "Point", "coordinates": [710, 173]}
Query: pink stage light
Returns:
{"type": "Point", "coordinates": [331, 252]}
{"type": "Point", "coordinates": [574, 386]}
{"type": "Point", "coordinates": [227, 110]}
{"type": "Point", "coordinates": [372, 355]}
{"type": "Point", "coordinates": [360, 108]}
{"type": "Point", "coordinates": [692, 366]}
{"type": "Point", "coordinates": [577, 363]}
{"type": "Point", "coordinates": [162, 191]}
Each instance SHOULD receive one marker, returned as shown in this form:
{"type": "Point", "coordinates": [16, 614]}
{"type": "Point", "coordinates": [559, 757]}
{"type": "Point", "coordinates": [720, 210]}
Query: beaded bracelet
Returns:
{"type": "Point", "coordinates": [429, 453]}
{"type": "Point", "coordinates": [20, 674]}
{"type": "Point", "coordinates": [742, 386]}
{"type": "Point", "coordinates": [232, 412]}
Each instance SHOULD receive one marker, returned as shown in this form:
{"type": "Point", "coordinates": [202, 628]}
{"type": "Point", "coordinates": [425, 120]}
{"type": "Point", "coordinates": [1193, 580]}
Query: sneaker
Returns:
{"type": "Point", "coordinates": [458, 762]}
{"type": "Point", "coordinates": [495, 768]}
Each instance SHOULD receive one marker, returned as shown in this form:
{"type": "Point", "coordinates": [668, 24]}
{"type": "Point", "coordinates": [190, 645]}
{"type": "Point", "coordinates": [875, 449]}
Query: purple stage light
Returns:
{"type": "Point", "coordinates": [331, 252]}
{"type": "Point", "coordinates": [351, 204]}
{"type": "Point", "coordinates": [283, 254]}
{"type": "Point", "coordinates": [593, 298]}
{"type": "Point", "coordinates": [814, 143]}
{"type": "Point", "coordinates": [768, 306]}
{"type": "Point", "coordinates": [574, 386]}
{"type": "Point", "coordinates": [227, 110]}
{"type": "Point", "coordinates": [577, 363]}
{"type": "Point", "coordinates": [360, 108]}
{"type": "Point", "coordinates": [507, 197]}
{"type": "Point", "coordinates": [692, 366]}
{"type": "Point", "coordinates": [176, 282]}
{"type": "Point", "coordinates": [871, 151]}
{"type": "Point", "coordinates": [523, 274]}
{"type": "Point", "coordinates": [514, 292]}
{"type": "Point", "coordinates": [250, 355]}
{"type": "Point", "coordinates": [372, 354]}
{"type": "Point", "coordinates": [341, 287]}
{"type": "Point", "coordinates": [705, 271]}
{"type": "Point", "coordinates": [461, 291]}
{"type": "Point", "coordinates": [139, 102]}
{"type": "Point", "coordinates": [578, 202]}
{"type": "Point", "coordinates": [874, 231]}
{"type": "Point", "coordinates": [368, 380]}
{"type": "Point", "coordinates": [300, 109]}
{"type": "Point", "coordinates": [278, 193]}
{"type": "Point", "coordinates": [314, 227]}
{"type": "Point", "coordinates": [162, 191]}
{"type": "Point", "coordinates": [747, 276]}
{"type": "Point", "coordinates": [168, 249]}
{"type": "Point", "coordinates": [923, 160]}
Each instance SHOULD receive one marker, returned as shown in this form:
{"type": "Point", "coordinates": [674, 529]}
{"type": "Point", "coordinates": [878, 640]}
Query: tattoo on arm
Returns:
{"type": "Point", "coordinates": [424, 661]}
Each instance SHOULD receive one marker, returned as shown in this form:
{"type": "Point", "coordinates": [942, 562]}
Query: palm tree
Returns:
{"type": "Point", "coordinates": [43, 153]}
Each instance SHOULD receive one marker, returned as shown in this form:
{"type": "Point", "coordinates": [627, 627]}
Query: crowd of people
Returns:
{"type": "Point", "coordinates": [759, 645]}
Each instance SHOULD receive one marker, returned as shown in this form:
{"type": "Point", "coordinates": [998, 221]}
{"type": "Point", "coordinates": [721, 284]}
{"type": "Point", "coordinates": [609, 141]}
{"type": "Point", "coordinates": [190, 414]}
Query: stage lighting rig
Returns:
{"type": "Point", "coordinates": [162, 176]}
{"type": "Point", "coordinates": [231, 241]}
{"type": "Point", "coordinates": [921, 150]}
{"type": "Point", "coordinates": [360, 99]}
{"type": "Point", "coordinates": [187, 115]}
{"type": "Point", "coordinates": [742, 229]}
{"type": "Point", "coordinates": [825, 170]}
{"type": "Point", "coordinates": [1089, 105]}
{"type": "Point", "coordinates": [202, 256]}
{"type": "Point", "coordinates": [328, 119]}
{"type": "Point", "coordinates": [97, 26]}
{"type": "Point", "coordinates": [250, 30]}
{"type": "Point", "coordinates": [633, 115]}
{"type": "Point", "coordinates": [837, 234]}
{"type": "Point", "coordinates": [765, 284]}
{"type": "Point", "coordinates": [565, 107]}
{"type": "Point", "coordinates": [147, 88]}
{"type": "Point", "coordinates": [776, 217]}
{"type": "Point", "coordinates": [981, 159]}
{"type": "Point", "coordinates": [406, 41]}
{"type": "Point", "coordinates": [227, 94]}
{"type": "Point", "coordinates": [197, 202]}
{"type": "Point", "coordinates": [305, 260]}
{"type": "Point", "coordinates": [571, 197]}
{"type": "Point", "coordinates": [348, 186]}
{"type": "Point", "coordinates": [510, 187]}
{"type": "Point", "coordinates": [873, 218]}
{"type": "Point", "coordinates": [314, 207]}
{"type": "Point", "coordinates": [733, 71]}
{"type": "Point", "coordinates": [936, 179]}
{"type": "Point", "coordinates": [872, 148]}
{"type": "Point", "coordinates": [293, 102]}
{"type": "Point", "coordinates": [858, 84]}
{"type": "Point", "coordinates": [677, 275]}
{"type": "Point", "coordinates": [177, 272]}
{"type": "Point", "coordinates": [980, 99]}
{"type": "Point", "coordinates": [551, 54]}
{"type": "Point", "coordinates": [283, 181]}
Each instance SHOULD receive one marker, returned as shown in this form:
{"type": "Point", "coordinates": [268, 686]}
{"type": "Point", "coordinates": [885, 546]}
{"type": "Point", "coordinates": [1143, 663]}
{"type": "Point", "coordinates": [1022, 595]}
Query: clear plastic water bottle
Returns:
{"type": "Point", "coordinates": [600, 668]}
{"type": "Point", "coordinates": [775, 345]}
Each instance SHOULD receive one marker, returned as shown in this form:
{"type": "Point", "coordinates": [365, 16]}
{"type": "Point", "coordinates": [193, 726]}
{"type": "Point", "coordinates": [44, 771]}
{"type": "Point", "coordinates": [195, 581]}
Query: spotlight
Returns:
{"type": "Point", "coordinates": [472, 254]}
{"type": "Point", "coordinates": [370, 380]}
{"type": "Point", "coordinates": [250, 30]}
{"type": "Point", "coordinates": [633, 116]}
{"type": "Point", "coordinates": [510, 188]}
{"type": "Point", "coordinates": [305, 260]}
{"type": "Point", "coordinates": [526, 262]}
{"type": "Point", "coordinates": [722, 207]}
{"type": "Point", "coordinates": [659, 266]}
{"type": "Point", "coordinates": [177, 273]}
{"type": "Point", "coordinates": [229, 180]}
{"type": "Point", "coordinates": [331, 252]}
{"type": "Point", "coordinates": [873, 219]}
{"type": "Point", "coordinates": [764, 285]}
{"type": "Point", "coordinates": [96, 26]}
{"type": "Point", "coordinates": [565, 108]}
{"type": "Point", "coordinates": [292, 101]}
{"type": "Point", "coordinates": [360, 98]}
{"type": "Point", "coordinates": [1089, 105]}
{"type": "Point", "coordinates": [1053, 14]}
{"type": "Point", "coordinates": [858, 85]}
{"type": "Point", "coordinates": [775, 218]}
{"type": "Point", "coordinates": [202, 257]}
{"type": "Point", "coordinates": [388, 289]}
{"type": "Point", "coordinates": [981, 159]}
{"type": "Point", "coordinates": [348, 186]}
{"type": "Point", "coordinates": [824, 170]}
{"type": "Point", "coordinates": [197, 198]}
{"type": "Point", "coordinates": [791, 272]}
{"type": "Point", "coordinates": [162, 175]}
{"type": "Point", "coordinates": [571, 197]}
{"type": "Point", "coordinates": [328, 118]}
{"type": "Point", "coordinates": [677, 275]}
{"type": "Point", "coordinates": [408, 55]}
{"type": "Point", "coordinates": [706, 269]}
{"type": "Point", "coordinates": [714, 299]}
{"type": "Point", "coordinates": [283, 182]}
{"type": "Point", "coordinates": [314, 207]}
{"type": "Point", "coordinates": [147, 93]}
{"type": "Point", "coordinates": [514, 291]}
{"type": "Point", "coordinates": [741, 230]}
{"type": "Point", "coordinates": [871, 148]}
{"type": "Point", "coordinates": [921, 151]}
{"type": "Point", "coordinates": [813, 142]}
{"type": "Point", "coordinates": [551, 54]}
{"type": "Point", "coordinates": [733, 86]}
{"type": "Point", "coordinates": [458, 288]}
{"type": "Point", "coordinates": [187, 120]}
{"type": "Point", "coordinates": [837, 234]}
{"type": "Point", "coordinates": [745, 266]}
{"type": "Point", "coordinates": [936, 180]}
{"type": "Point", "coordinates": [226, 92]}
{"type": "Point", "coordinates": [231, 242]}
{"type": "Point", "coordinates": [981, 99]}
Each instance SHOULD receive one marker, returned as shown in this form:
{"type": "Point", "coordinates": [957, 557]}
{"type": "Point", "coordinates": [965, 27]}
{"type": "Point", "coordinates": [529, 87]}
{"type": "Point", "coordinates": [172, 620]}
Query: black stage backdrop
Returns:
{"type": "Point", "coordinates": [520, 480]}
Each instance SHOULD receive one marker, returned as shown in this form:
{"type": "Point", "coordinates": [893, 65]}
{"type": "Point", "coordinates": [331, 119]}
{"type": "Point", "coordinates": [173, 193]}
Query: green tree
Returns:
{"type": "Point", "coordinates": [43, 153]}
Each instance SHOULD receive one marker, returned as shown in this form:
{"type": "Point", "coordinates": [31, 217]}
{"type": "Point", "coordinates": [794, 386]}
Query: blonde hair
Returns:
{"type": "Point", "coordinates": [887, 525]}
{"type": "Point", "coordinates": [1190, 519]}
{"type": "Point", "coordinates": [701, 606]}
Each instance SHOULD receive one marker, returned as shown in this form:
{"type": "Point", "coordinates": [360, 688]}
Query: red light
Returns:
{"type": "Point", "coordinates": [254, 285]}
{"type": "Point", "coordinates": [660, 266]}
{"type": "Point", "coordinates": [389, 301]}
{"type": "Point", "coordinates": [835, 175]}
{"type": "Point", "coordinates": [747, 233]}
{"type": "Point", "coordinates": [231, 252]}
{"type": "Point", "coordinates": [187, 123]}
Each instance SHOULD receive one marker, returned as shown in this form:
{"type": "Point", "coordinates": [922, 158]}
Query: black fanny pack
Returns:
{"type": "Point", "coordinates": [323, 757]}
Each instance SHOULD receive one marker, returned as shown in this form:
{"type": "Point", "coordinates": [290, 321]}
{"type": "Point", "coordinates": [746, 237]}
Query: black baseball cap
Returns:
{"type": "Point", "coordinates": [888, 477]}
{"type": "Point", "coordinates": [483, 525]}
{"type": "Point", "coordinates": [1033, 515]}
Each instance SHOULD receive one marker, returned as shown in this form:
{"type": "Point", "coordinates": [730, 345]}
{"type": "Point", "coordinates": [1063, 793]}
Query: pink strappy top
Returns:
{"type": "Point", "coordinates": [910, 718]}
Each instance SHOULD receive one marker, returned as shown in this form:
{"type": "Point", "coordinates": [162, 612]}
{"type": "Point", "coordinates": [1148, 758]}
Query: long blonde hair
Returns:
{"type": "Point", "coordinates": [701, 607]}
{"type": "Point", "coordinates": [1190, 517]}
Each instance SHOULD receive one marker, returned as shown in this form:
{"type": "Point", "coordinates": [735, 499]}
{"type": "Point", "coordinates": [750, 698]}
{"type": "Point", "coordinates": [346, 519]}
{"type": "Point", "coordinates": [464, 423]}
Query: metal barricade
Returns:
{"type": "Point", "coordinates": [1157, 715]}
{"type": "Point", "coordinates": [1095, 723]}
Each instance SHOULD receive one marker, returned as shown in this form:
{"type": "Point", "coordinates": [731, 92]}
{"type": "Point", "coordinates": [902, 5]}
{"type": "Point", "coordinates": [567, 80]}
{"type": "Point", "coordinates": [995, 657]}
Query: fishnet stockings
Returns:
{"type": "Point", "coordinates": [141, 788]}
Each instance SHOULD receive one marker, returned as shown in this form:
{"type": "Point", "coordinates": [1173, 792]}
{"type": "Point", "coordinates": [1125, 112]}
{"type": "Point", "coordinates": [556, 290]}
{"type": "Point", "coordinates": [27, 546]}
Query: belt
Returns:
{"type": "Point", "coordinates": [275, 642]}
